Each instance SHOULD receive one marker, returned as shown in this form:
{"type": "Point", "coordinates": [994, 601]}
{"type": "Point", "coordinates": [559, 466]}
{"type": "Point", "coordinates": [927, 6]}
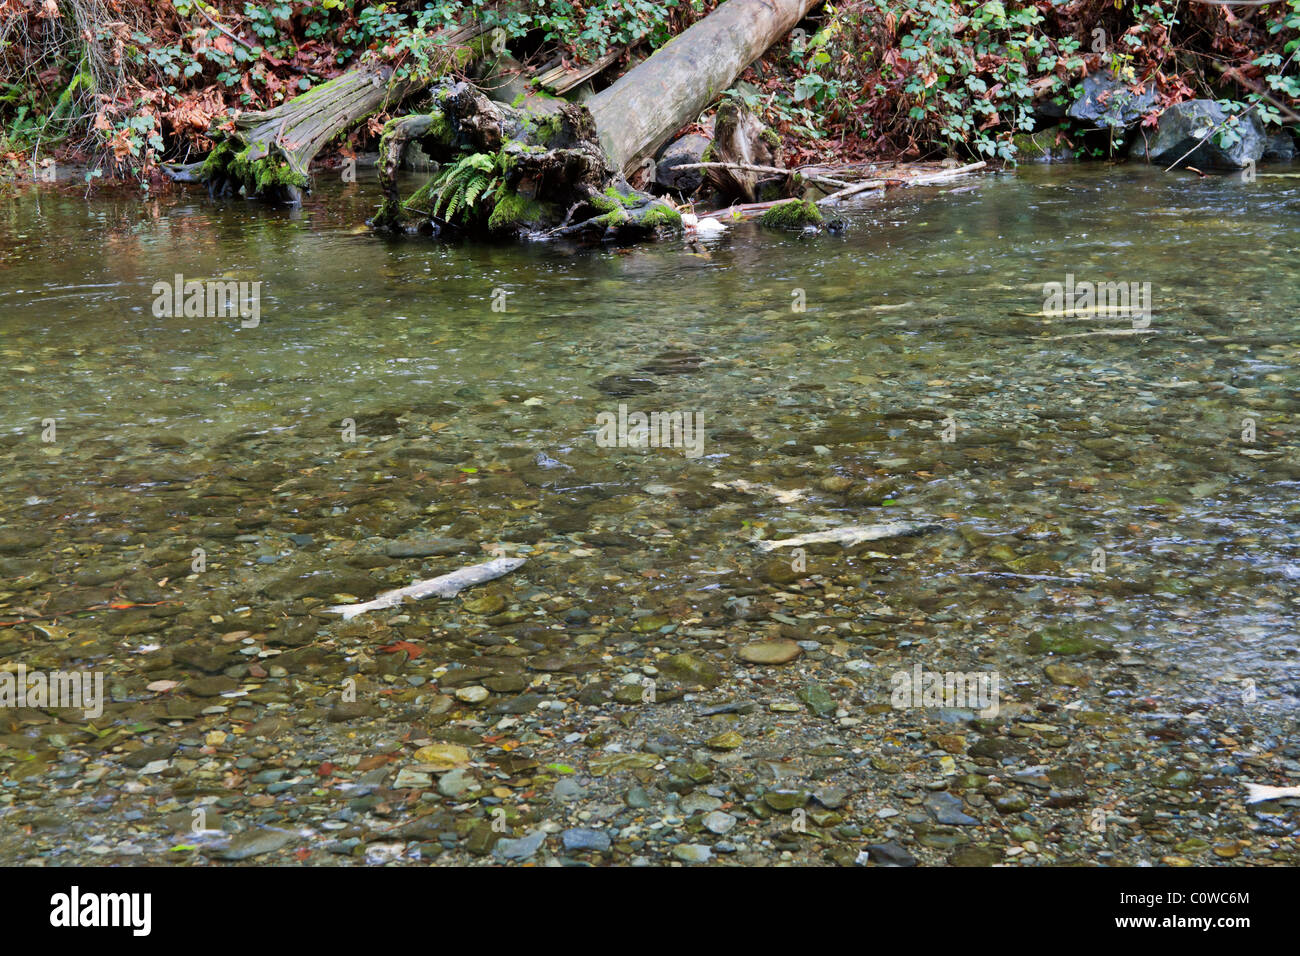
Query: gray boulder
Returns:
{"type": "Point", "coordinates": [1279, 148]}
{"type": "Point", "coordinates": [1186, 127]}
{"type": "Point", "coordinates": [1106, 101]}
{"type": "Point", "coordinates": [688, 149]}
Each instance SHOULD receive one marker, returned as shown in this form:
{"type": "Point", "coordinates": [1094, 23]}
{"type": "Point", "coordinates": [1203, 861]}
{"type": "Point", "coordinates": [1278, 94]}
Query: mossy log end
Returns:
{"type": "Point", "coordinates": [508, 170]}
{"type": "Point", "coordinates": [268, 153]}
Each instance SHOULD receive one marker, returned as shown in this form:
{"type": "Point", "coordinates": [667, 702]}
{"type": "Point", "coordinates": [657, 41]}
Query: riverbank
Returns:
{"type": "Point", "coordinates": [861, 82]}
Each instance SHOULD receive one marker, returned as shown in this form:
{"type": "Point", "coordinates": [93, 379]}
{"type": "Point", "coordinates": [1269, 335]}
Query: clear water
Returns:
{"type": "Point", "coordinates": [920, 314]}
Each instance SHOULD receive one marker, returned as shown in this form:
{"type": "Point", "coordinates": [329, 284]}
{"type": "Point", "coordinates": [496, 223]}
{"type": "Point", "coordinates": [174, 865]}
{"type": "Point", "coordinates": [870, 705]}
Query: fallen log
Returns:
{"type": "Point", "coordinates": [749, 210]}
{"type": "Point", "coordinates": [538, 165]}
{"type": "Point", "coordinates": [645, 106]}
{"type": "Point", "coordinates": [267, 154]}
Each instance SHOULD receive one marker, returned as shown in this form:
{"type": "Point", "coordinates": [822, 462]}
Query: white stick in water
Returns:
{"type": "Point", "coordinates": [448, 585]}
{"type": "Point", "coordinates": [849, 535]}
{"type": "Point", "coordinates": [1258, 792]}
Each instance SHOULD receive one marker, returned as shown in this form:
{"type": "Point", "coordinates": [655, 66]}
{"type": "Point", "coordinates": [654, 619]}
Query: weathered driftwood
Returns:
{"type": "Point", "coordinates": [644, 107]}
{"type": "Point", "coordinates": [751, 210]}
{"type": "Point", "coordinates": [559, 79]}
{"type": "Point", "coordinates": [559, 171]}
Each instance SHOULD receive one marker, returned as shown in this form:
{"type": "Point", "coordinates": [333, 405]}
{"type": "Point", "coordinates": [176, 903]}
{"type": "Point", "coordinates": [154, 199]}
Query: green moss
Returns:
{"type": "Point", "coordinates": [440, 129]}
{"type": "Point", "coordinates": [543, 128]}
{"type": "Point", "coordinates": [771, 138]}
{"type": "Point", "coordinates": [613, 193]}
{"type": "Point", "coordinates": [615, 217]}
{"type": "Point", "coordinates": [255, 174]}
{"type": "Point", "coordinates": [422, 197]}
{"type": "Point", "coordinates": [259, 171]}
{"type": "Point", "coordinates": [707, 155]}
{"type": "Point", "coordinates": [217, 161]}
{"type": "Point", "coordinates": [513, 210]}
{"type": "Point", "coordinates": [661, 216]}
{"type": "Point", "coordinates": [792, 215]}
{"type": "Point", "coordinates": [606, 204]}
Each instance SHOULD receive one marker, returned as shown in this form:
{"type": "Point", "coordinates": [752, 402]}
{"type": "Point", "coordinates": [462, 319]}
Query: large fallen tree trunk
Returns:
{"type": "Point", "coordinates": [559, 168]}
{"type": "Point", "coordinates": [647, 104]}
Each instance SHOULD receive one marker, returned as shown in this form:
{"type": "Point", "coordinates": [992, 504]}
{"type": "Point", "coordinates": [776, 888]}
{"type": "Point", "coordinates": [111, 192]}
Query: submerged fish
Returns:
{"type": "Point", "coordinates": [448, 585]}
{"type": "Point", "coordinates": [849, 534]}
{"type": "Point", "coordinates": [1258, 792]}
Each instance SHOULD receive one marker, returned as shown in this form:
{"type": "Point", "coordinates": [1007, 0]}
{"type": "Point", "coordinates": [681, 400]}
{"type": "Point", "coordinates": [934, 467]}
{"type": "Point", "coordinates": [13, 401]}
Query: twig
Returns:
{"type": "Point", "coordinates": [915, 181]}
{"type": "Point", "coordinates": [199, 7]}
{"type": "Point", "coordinates": [853, 190]}
{"type": "Point", "coordinates": [1255, 88]}
{"type": "Point", "coordinates": [946, 174]}
{"type": "Point", "coordinates": [750, 168]}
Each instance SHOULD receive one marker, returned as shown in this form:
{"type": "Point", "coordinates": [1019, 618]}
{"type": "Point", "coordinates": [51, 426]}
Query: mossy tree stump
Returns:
{"type": "Point", "coordinates": [509, 170]}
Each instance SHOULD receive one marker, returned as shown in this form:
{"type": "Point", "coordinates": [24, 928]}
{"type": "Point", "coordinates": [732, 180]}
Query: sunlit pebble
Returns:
{"type": "Point", "coordinates": [33, 500]}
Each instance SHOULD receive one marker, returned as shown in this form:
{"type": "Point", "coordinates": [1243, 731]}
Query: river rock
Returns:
{"type": "Point", "coordinates": [427, 547]}
{"type": "Point", "coordinates": [520, 849]}
{"type": "Point", "coordinates": [687, 149]}
{"type": "Point", "coordinates": [1105, 101]}
{"type": "Point", "coordinates": [719, 822]}
{"type": "Point", "coordinates": [1067, 675]}
{"type": "Point", "coordinates": [818, 699]}
{"type": "Point", "coordinates": [579, 839]}
{"type": "Point", "coordinates": [253, 843]}
{"type": "Point", "coordinates": [692, 853]}
{"type": "Point", "coordinates": [889, 854]}
{"type": "Point", "coordinates": [769, 652]}
{"type": "Point", "coordinates": [1185, 127]}
{"type": "Point", "coordinates": [443, 756]}
{"type": "Point", "coordinates": [946, 808]}
{"type": "Point", "coordinates": [1279, 148]}
{"type": "Point", "coordinates": [729, 740]}
{"type": "Point", "coordinates": [454, 784]}
{"type": "Point", "coordinates": [690, 669]}
{"type": "Point", "coordinates": [699, 802]}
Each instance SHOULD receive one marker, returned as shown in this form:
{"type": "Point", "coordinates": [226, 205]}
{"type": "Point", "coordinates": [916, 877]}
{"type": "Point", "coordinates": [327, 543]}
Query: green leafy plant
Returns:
{"type": "Point", "coordinates": [458, 190]}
